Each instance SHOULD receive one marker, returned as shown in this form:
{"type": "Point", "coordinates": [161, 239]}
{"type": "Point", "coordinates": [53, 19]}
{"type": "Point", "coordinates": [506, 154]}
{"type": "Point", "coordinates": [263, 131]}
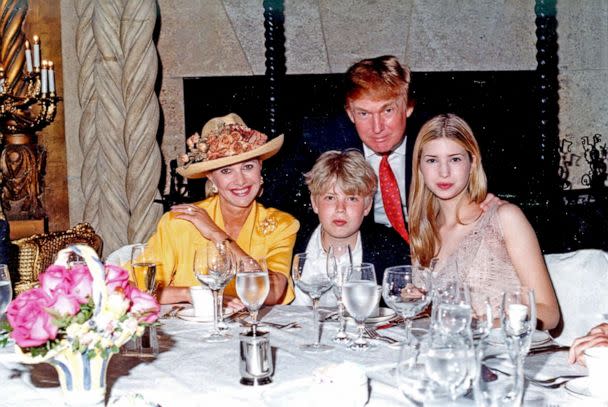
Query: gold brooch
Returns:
{"type": "Point", "coordinates": [267, 226]}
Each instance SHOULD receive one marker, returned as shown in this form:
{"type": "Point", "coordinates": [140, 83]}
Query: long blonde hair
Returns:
{"type": "Point", "coordinates": [423, 205]}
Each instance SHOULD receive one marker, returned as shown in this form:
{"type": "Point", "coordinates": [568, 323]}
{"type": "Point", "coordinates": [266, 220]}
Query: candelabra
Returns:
{"type": "Point", "coordinates": [22, 114]}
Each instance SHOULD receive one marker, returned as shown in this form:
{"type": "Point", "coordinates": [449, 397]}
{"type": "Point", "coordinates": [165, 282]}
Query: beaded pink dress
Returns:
{"type": "Point", "coordinates": [482, 262]}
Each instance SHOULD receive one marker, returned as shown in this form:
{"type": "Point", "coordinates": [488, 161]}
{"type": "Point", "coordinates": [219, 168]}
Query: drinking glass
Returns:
{"type": "Point", "coordinates": [410, 375]}
{"type": "Point", "coordinates": [143, 266]}
{"type": "Point", "coordinates": [495, 383]}
{"type": "Point", "coordinates": [407, 290]}
{"type": "Point", "coordinates": [143, 269]}
{"type": "Point", "coordinates": [360, 295]}
{"type": "Point", "coordinates": [453, 313]}
{"type": "Point", "coordinates": [338, 267]}
{"type": "Point", "coordinates": [252, 286]}
{"type": "Point", "coordinates": [214, 267]}
{"type": "Point", "coordinates": [310, 275]}
{"type": "Point", "coordinates": [483, 319]}
{"type": "Point", "coordinates": [6, 290]}
{"type": "Point", "coordinates": [449, 365]}
{"type": "Point", "coordinates": [518, 322]}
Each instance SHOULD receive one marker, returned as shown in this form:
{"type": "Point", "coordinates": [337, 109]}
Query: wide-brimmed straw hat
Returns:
{"type": "Point", "coordinates": [225, 141]}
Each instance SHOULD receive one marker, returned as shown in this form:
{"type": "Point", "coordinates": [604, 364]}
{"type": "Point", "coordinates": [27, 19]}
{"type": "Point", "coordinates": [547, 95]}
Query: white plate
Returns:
{"type": "Point", "coordinates": [538, 337]}
{"type": "Point", "coordinates": [187, 314]}
{"type": "Point", "coordinates": [579, 387]}
{"type": "Point", "coordinates": [384, 315]}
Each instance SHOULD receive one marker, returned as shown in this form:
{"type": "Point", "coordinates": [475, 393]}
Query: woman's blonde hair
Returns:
{"type": "Point", "coordinates": [423, 205]}
{"type": "Point", "coordinates": [346, 169]}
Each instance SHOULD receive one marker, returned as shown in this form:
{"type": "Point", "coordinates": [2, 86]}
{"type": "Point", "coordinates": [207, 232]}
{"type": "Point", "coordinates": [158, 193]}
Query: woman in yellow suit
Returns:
{"type": "Point", "coordinates": [230, 155]}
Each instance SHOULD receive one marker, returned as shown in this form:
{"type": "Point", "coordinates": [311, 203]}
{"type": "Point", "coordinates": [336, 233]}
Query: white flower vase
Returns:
{"type": "Point", "coordinates": [82, 380]}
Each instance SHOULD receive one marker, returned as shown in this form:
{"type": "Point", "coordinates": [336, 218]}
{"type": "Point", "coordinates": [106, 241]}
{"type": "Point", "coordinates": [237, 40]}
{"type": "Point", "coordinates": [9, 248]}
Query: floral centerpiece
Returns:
{"type": "Point", "coordinates": [78, 318]}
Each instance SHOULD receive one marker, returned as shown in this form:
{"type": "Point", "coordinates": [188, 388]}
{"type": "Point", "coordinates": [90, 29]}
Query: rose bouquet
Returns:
{"type": "Point", "coordinates": [87, 309]}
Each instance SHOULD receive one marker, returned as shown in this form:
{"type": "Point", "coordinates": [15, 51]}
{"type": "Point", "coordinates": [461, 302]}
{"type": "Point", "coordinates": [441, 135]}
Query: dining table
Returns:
{"type": "Point", "coordinates": [189, 372]}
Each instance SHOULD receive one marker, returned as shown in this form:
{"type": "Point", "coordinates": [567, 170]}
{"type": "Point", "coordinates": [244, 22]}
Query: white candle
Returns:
{"type": "Point", "coordinates": [51, 78]}
{"type": "Point", "coordinates": [518, 314]}
{"type": "Point", "coordinates": [44, 78]}
{"type": "Point", "coordinates": [36, 51]}
{"type": "Point", "coordinates": [28, 57]}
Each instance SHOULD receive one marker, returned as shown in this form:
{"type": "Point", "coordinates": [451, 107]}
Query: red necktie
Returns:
{"type": "Point", "coordinates": [391, 199]}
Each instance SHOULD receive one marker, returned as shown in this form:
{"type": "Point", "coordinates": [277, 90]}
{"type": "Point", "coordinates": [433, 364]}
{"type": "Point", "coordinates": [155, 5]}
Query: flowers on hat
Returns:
{"type": "Point", "coordinates": [228, 140]}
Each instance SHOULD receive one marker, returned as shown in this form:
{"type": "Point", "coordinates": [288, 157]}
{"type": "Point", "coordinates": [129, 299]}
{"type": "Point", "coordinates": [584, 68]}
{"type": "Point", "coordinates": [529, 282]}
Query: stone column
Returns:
{"type": "Point", "coordinates": [120, 115]}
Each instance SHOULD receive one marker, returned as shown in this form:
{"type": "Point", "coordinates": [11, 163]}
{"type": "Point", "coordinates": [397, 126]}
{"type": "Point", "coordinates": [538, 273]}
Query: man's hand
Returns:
{"type": "Point", "coordinates": [490, 201]}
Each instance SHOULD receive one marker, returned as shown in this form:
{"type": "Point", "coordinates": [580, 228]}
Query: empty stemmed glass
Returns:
{"type": "Point", "coordinates": [214, 266]}
{"type": "Point", "coordinates": [339, 262]}
{"type": "Point", "coordinates": [252, 286]}
{"type": "Point", "coordinates": [310, 275]}
{"type": "Point", "coordinates": [360, 296]}
{"type": "Point", "coordinates": [407, 290]}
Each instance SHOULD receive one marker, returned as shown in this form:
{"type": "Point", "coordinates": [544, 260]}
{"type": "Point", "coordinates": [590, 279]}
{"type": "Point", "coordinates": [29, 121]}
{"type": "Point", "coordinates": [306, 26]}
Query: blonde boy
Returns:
{"type": "Point", "coordinates": [342, 186]}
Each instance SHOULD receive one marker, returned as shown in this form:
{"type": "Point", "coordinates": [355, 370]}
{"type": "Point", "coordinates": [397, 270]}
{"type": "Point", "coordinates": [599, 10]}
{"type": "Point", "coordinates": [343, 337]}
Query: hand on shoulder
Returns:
{"type": "Point", "coordinates": [491, 201]}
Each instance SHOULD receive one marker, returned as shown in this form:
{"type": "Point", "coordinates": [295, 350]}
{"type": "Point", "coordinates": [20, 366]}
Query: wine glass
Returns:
{"type": "Point", "coordinates": [339, 261]}
{"type": "Point", "coordinates": [310, 275]}
{"type": "Point", "coordinates": [6, 290]}
{"type": "Point", "coordinates": [449, 365]}
{"type": "Point", "coordinates": [252, 286]}
{"type": "Point", "coordinates": [518, 322]}
{"type": "Point", "coordinates": [453, 312]}
{"type": "Point", "coordinates": [410, 375]}
{"type": "Point", "coordinates": [360, 295]}
{"type": "Point", "coordinates": [483, 318]}
{"type": "Point", "coordinates": [143, 266]}
{"type": "Point", "coordinates": [407, 290]}
{"type": "Point", "coordinates": [214, 267]}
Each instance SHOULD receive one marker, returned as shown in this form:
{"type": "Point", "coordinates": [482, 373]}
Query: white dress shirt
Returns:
{"type": "Point", "coordinates": [317, 260]}
{"type": "Point", "coordinates": [396, 159]}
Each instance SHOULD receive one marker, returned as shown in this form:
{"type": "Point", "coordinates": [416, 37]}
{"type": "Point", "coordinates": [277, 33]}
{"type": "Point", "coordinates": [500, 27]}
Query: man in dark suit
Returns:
{"type": "Point", "coordinates": [376, 91]}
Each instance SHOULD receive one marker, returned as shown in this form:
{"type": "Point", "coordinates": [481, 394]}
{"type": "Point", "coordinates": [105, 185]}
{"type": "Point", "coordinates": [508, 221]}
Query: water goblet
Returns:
{"type": "Point", "coordinates": [410, 375]}
{"type": "Point", "coordinates": [407, 290]}
{"type": "Point", "coordinates": [453, 312]}
{"type": "Point", "coordinates": [6, 290]}
{"type": "Point", "coordinates": [143, 267]}
{"type": "Point", "coordinates": [214, 266]}
{"type": "Point", "coordinates": [495, 383]}
{"type": "Point", "coordinates": [449, 365]}
{"type": "Point", "coordinates": [339, 261]}
{"type": "Point", "coordinates": [310, 275]}
{"type": "Point", "coordinates": [483, 319]}
{"type": "Point", "coordinates": [360, 295]}
{"type": "Point", "coordinates": [252, 286]}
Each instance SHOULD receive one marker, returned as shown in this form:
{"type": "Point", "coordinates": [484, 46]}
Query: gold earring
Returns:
{"type": "Point", "coordinates": [214, 189]}
{"type": "Point", "coordinates": [261, 180]}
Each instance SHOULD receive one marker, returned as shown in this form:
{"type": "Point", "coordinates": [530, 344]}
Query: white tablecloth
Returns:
{"type": "Point", "coordinates": [189, 372]}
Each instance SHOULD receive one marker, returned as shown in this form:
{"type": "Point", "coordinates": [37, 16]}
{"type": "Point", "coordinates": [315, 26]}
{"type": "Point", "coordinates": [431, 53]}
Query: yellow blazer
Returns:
{"type": "Point", "coordinates": [267, 232]}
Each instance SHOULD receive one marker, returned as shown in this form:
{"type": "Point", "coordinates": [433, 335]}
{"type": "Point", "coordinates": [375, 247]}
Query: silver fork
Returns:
{"type": "Point", "coordinates": [275, 325]}
{"type": "Point", "coordinates": [372, 334]}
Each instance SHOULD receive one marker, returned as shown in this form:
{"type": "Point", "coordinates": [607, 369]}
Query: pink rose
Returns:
{"type": "Point", "coordinates": [117, 278]}
{"type": "Point", "coordinates": [82, 283]}
{"type": "Point", "coordinates": [54, 277]}
{"type": "Point", "coordinates": [64, 303]}
{"type": "Point", "coordinates": [32, 324]}
{"type": "Point", "coordinates": [144, 306]}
